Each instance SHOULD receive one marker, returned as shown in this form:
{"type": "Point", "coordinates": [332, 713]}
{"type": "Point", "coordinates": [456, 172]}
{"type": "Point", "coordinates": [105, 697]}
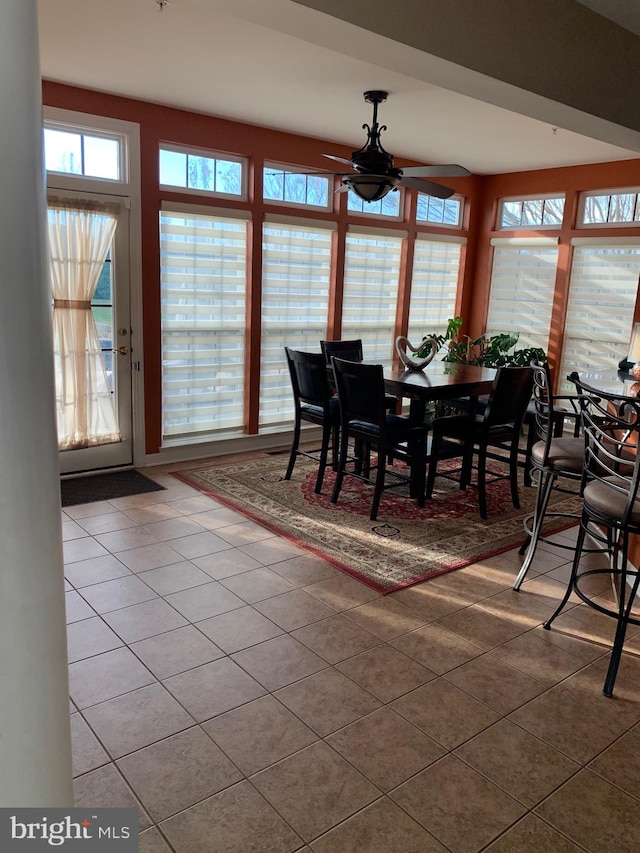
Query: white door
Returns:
{"type": "Point", "coordinates": [110, 307]}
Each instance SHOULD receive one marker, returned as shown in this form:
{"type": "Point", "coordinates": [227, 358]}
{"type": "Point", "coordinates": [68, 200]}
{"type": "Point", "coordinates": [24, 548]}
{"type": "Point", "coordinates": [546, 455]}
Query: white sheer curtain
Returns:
{"type": "Point", "coordinates": [79, 239]}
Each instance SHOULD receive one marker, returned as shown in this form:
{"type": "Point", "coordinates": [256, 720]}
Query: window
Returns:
{"type": "Point", "coordinates": [438, 211]}
{"type": "Point", "coordinates": [203, 284]}
{"type": "Point", "coordinates": [616, 208]}
{"type": "Point", "coordinates": [602, 295]}
{"type": "Point", "coordinates": [545, 212]}
{"type": "Point", "coordinates": [72, 151]}
{"type": "Point", "coordinates": [202, 172]}
{"type": "Point", "coordinates": [522, 288]}
{"type": "Point", "coordinates": [387, 206]}
{"type": "Point", "coordinates": [434, 287]}
{"type": "Point", "coordinates": [371, 273]}
{"type": "Point", "coordinates": [296, 265]}
{"type": "Point", "coordinates": [295, 187]}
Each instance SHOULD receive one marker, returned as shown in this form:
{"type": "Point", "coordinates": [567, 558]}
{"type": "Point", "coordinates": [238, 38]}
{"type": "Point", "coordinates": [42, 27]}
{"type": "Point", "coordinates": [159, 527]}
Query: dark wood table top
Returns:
{"type": "Point", "coordinates": [438, 381]}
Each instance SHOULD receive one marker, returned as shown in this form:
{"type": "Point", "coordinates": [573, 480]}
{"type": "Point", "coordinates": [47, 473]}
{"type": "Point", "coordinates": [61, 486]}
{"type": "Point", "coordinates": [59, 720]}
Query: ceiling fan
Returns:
{"type": "Point", "coordinates": [375, 175]}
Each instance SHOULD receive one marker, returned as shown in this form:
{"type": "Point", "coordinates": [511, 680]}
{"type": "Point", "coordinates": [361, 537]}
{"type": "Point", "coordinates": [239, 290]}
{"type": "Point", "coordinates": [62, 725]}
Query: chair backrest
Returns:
{"type": "Point", "coordinates": [611, 424]}
{"type": "Point", "coordinates": [349, 350]}
{"type": "Point", "coordinates": [546, 412]}
{"type": "Point", "coordinates": [360, 391]}
{"type": "Point", "coordinates": [509, 396]}
{"type": "Point", "coordinates": [309, 378]}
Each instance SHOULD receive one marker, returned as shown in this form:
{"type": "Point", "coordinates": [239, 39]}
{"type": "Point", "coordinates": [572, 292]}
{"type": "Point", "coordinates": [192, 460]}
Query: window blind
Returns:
{"type": "Point", "coordinates": [602, 295]}
{"type": "Point", "coordinates": [522, 288]}
{"type": "Point", "coordinates": [296, 265]}
{"type": "Point", "coordinates": [203, 284]}
{"type": "Point", "coordinates": [434, 287]}
{"type": "Point", "coordinates": [371, 271]}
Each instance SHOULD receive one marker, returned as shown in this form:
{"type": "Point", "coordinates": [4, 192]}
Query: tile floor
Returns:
{"type": "Point", "coordinates": [248, 696]}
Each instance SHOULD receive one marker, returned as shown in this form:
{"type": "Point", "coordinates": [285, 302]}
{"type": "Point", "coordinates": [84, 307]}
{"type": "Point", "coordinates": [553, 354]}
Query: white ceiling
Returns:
{"type": "Point", "coordinates": [247, 60]}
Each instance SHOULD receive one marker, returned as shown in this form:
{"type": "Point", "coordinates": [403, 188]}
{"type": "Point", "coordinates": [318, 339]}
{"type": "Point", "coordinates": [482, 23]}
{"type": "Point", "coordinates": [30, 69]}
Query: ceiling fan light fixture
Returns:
{"type": "Point", "coordinates": [370, 187]}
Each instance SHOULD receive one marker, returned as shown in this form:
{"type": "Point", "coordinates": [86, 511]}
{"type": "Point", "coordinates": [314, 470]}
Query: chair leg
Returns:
{"type": "Point", "coordinates": [545, 485]}
{"type": "Point", "coordinates": [342, 462]}
{"type": "Point", "coordinates": [433, 465]}
{"type": "Point", "coordinates": [513, 473]}
{"type": "Point", "coordinates": [294, 449]}
{"type": "Point", "coordinates": [482, 481]}
{"type": "Point", "coordinates": [582, 531]}
{"type": "Point", "coordinates": [324, 452]}
{"type": "Point", "coordinates": [379, 486]}
{"type": "Point", "coordinates": [624, 611]}
{"type": "Point", "coordinates": [467, 465]}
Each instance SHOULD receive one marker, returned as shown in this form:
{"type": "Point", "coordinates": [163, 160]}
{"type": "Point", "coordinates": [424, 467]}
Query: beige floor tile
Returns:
{"type": "Point", "coordinates": [244, 823]}
{"type": "Point", "coordinates": [172, 528]}
{"type": "Point", "coordinates": [140, 621]}
{"type": "Point", "coordinates": [542, 661]}
{"type": "Point", "coordinates": [114, 594]}
{"type": "Point", "coordinates": [342, 592]}
{"type": "Point", "coordinates": [176, 651]}
{"type": "Point", "coordinates": [178, 772]}
{"type": "Point", "coordinates": [594, 814]}
{"type": "Point", "coordinates": [125, 540]}
{"type": "Point", "coordinates": [76, 608]}
{"type": "Point", "coordinates": [239, 629]}
{"type": "Point", "coordinates": [137, 719]}
{"type": "Point", "coordinates": [555, 636]}
{"type": "Point", "coordinates": [524, 766]}
{"type": "Point", "coordinates": [619, 763]}
{"type": "Point", "coordinates": [459, 806]}
{"type": "Point", "coordinates": [199, 544]}
{"type": "Point", "coordinates": [531, 835]}
{"type": "Point", "coordinates": [175, 578]}
{"type": "Point", "coordinates": [428, 601]}
{"type": "Point", "coordinates": [205, 601]}
{"type": "Point", "coordinates": [149, 557]}
{"type": "Point", "coordinates": [497, 684]}
{"type": "Point", "coordinates": [191, 506]}
{"type": "Point", "coordinates": [278, 662]}
{"type": "Point", "coordinates": [305, 569]}
{"type": "Point", "coordinates": [246, 533]}
{"type": "Point", "coordinates": [106, 523]}
{"type": "Point", "coordinates": [270, 549]}
{"type": "Point", "coordinates": [220, 516]}
{"type": "Point", "coordinates": [150, 841]}
{"type": "Point", "coordinates": [525, 609]}
{"type": "Point", "coordinates": [104, 676]}
{"type": "Point", "coordinates": [105, 788]}
{"type": "Point", "coordinates": [225, 564]}
{"type": "Point", "coordinates": [314, 789]}
{"type": "Point", "coordinates": [95, 570]}
{"type": "Point", "coordinates": [379, 828]}
{"type": "Point", "coordinates": [259, 733]}
{"type": "Point", "coordinates": [436, 648]}
{"type": "Point", "coordinates": [294, 609]}
{"type": "Point", "coordinates": [213, 688]}
{"type": "Point", "coordinates": [567, 726]}
{"type": "Point", "coordinates": [82, 549]}
{"type": "Point", "coordinates": [585, 687]}
{"type": "Point", "coordinates": [336, 638]}
{"type": "Point", "coordinates": [327, 701]}
{"type": "Point", "coordinates": [152, 514]}
{"type": "Point", "coordinates": [90, 637]}
{"type": "Point", "coordinates": [257, 585]}
{"type": "Point", "coordinates": [386, 618]}
{"type": "Point", "coordinates": [429, 708]}
{"type": "Point", "coordinates": [401, 750]}
{"type": "Point", "coordinates": [86, 510]}
{"type": "Point", "coordinates": [386, 672]}
{"type": "Point", "coordinates": [86, 751]}
{"type": "Point", "coordinates": [481, 628]}
{"type": "Point", "coordinates": [472, 587]}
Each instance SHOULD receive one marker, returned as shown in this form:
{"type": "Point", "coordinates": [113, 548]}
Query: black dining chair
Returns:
{"type": "Point", "coordinates": [313, 402]}
{"type": "Point", "coordinates": [611, 510]}
{"type": "Point", "coordinates": [497, 425]}
{"type": "Point", "coordinates": [556, 460]}
{"type": "Point", "coordinates": [351, 350]}
{"type": "Point", "coordinates": [364, 418]}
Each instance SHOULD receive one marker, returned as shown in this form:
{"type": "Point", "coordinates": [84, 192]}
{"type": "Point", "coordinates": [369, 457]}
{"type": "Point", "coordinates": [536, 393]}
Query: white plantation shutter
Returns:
{"type": "Point", "coordinates": [203, 284]}
{"type": "Point", "coordinates": [371, 272]}
{"type": "Point", "coordinates": [434, 286]}
{"type": "Point", "coordinates": [602, 295]}
{"type": "Point", "coordinates": [296, 267]}
{"type": "Point", "coordinates": [522, 287]}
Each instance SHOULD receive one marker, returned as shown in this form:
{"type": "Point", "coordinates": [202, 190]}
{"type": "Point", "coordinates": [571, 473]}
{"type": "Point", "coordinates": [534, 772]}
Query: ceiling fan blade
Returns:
{"type": "Point", "coordinates": [428, 187]}
{"type": "Point", "coordinates": [311, 174]}
{"type": "Point", "coordinates": [446, 170]}
{"type": "Point", "coordinates": [339, 159]}
{"type": "Point", "coordinates": [342, 189]}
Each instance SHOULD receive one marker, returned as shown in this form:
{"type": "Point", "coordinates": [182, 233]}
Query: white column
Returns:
{"type": "Point", "coordinates": [35, 762]}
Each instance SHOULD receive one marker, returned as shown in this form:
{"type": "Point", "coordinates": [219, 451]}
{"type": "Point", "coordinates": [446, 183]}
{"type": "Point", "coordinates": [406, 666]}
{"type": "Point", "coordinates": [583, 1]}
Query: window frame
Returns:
{"type": "Point", "coordinates": [430, 223]}
{"type": "Point", "coordinates": [377, 217]}
{"type": "Point", "coordinates": [529, 227]}
{"type": "Point", "coordinates": [285, 168]}
{"type": "Point", "coordinates": [611, 191]}
{"type": "Point", "coordinates": [208, 154]}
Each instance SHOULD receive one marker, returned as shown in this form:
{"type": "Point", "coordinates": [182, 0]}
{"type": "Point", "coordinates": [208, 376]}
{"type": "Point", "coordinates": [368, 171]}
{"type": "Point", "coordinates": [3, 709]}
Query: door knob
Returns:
{"type": "Point", "coordinates": [122, 350]}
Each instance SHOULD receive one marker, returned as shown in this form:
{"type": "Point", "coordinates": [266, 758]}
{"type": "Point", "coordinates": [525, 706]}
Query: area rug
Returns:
{"type": "Point", "coordinates": [405, 545]}
{"type": "Point", "coordinates": [104, 487]}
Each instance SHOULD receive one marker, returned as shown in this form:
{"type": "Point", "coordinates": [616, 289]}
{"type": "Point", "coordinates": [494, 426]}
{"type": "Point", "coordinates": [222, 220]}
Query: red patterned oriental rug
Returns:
{"type": "Point", "coordinates": [405, 545]}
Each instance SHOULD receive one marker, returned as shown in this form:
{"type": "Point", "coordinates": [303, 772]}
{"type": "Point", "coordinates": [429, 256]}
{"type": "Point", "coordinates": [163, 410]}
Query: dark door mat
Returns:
{"type": "Point", "coordinates": [104, 487]}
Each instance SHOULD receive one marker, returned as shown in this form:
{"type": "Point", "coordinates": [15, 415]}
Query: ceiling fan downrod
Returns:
{"type": "Point", "coordinates": [372, 157]}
